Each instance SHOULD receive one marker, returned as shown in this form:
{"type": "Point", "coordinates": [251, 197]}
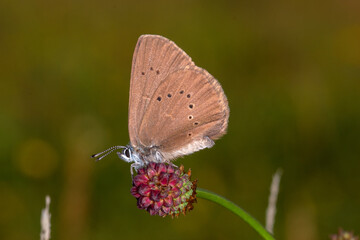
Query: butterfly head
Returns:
{"type": "Point", "coordinates": [126, 154]}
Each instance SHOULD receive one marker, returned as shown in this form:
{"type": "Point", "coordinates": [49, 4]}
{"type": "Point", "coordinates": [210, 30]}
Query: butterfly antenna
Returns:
{"type": "Point", "coordinates": [103, 154]}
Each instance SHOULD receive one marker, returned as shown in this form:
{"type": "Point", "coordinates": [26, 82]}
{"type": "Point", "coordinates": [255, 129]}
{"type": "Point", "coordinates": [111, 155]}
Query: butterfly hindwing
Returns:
{"type": "Point", "coordinates": [187, 111]}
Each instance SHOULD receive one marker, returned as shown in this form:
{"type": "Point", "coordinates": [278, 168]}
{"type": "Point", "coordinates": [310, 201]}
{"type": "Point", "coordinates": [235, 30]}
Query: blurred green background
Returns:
{"type": "Point", "coordinates": [291, 72]}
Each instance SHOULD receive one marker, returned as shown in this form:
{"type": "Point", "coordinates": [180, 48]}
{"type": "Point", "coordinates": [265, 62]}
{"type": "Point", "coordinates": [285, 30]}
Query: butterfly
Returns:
{"type": "Point", "coordinates": [175, 107]}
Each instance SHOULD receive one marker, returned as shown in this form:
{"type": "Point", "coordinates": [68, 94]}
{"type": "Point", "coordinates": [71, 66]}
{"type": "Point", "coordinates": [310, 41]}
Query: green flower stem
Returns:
{"type": "Point", "coordinates": [205, 194]}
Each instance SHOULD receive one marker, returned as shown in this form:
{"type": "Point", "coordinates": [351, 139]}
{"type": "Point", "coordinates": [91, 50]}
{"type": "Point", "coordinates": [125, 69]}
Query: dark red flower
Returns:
{"type": "Point", "coordinates": [162, 189]}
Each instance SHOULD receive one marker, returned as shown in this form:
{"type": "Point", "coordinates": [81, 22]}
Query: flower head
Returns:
{"type": "Point", "coordinates": [344, 235]}
{"type": "Point", "coordinates": [162, 189]}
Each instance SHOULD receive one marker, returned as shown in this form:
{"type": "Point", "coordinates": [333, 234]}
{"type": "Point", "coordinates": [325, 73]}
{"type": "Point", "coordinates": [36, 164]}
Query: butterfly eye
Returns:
{"type": "Point", "coordinates": [127, 153]}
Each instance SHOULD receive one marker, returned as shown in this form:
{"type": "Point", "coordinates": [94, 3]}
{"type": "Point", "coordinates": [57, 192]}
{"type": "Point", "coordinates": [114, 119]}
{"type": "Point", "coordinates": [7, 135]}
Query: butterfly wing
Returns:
{"type": "Point", "coordinates": [155, 57]}
{"type": "Point", "coordinates": [186, 113]}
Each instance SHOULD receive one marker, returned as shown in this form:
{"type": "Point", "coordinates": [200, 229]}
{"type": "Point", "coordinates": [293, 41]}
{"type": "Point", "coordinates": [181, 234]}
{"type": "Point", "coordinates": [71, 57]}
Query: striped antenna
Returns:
{"type": "Point", "coordinates": [103, 154]}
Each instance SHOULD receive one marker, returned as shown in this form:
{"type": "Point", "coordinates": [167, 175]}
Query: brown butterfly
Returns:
{"type": "Point", "coordinates": [175, 107]}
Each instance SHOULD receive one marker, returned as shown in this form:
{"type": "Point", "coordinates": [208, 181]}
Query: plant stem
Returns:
{"type": "Point", "coordinates": [205, 194]}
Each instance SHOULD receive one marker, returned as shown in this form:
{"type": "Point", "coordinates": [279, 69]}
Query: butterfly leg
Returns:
{"type": "Point", "coordinates": [135, 166]}
{"type": "Point", "coordinates": [131, 171]}
{"type": "Point", "coordinates": [172, 164]}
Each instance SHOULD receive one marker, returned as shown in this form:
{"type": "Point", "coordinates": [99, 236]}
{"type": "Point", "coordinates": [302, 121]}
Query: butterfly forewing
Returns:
{"type": "Point", "coordinates": [187, 111]}
{"type": "Point", "coordinates": [155, 57]}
